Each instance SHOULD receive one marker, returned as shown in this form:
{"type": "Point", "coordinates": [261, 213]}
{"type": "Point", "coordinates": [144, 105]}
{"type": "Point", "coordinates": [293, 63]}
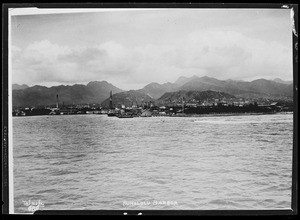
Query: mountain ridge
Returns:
{"type": "Point", "coordinates": [98, 91]}
{"type": "Point", "coordinates": [67, 94]}
{"type": "Point", "coordinates": [244, 89]}
{"type": "Point", "coordinates": [17, 86]}
{"type": "Point", "coordinates": [128, 98]}
{"type": "Point", "coordinates": [198, 96]}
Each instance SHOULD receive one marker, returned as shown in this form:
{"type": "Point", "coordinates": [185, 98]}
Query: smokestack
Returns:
{"type": "Point", "coordinates": [57, 101]}
{"type": "Point", "coordinates": [182, 105]}
{"type": "Point", "coordinates": [110, 101]}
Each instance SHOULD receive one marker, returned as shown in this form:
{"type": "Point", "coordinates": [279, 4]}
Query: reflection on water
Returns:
{"type": "Point", "coordinates": [99, 162]}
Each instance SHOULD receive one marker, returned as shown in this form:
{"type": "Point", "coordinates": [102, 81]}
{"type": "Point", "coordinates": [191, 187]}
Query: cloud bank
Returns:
{"type": "Point", "coordinates": [217, 53]}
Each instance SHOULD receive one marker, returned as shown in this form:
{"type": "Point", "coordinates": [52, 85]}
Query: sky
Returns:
{"type": "Point", "coordinates": [132, 48]}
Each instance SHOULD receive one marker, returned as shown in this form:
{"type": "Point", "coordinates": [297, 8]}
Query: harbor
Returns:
{"type": "Point", "coordinates": [183, 109]}
{"type": "Point", "coordinates": [149, 109]}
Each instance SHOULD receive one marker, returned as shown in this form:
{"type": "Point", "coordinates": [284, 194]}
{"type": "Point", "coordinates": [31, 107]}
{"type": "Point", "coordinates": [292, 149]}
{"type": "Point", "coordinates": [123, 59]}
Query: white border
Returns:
{"type": "Point", "coordinates": [35, 10]}
{"type": "Point", "coordinates": [10, 126]}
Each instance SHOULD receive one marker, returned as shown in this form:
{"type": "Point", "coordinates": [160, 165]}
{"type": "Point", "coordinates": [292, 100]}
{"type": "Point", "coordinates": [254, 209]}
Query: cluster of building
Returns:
{"type": "Point", "coordinates": [163, 109]}
{"type": "Point", "coordinates": [221, 102]}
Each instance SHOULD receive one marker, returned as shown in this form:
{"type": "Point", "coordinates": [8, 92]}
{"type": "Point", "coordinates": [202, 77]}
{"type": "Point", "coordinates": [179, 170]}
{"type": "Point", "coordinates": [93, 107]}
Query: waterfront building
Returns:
{"type": "Point", "coordinates": [162, 113]}
{"type": "Point", "coordinates": [191, 105]}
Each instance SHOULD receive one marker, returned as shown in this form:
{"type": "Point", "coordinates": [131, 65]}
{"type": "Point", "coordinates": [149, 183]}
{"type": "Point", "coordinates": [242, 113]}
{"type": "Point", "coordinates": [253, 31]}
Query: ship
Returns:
{"type": "Point", "coordinates": [111, 114]}
{"type": "Point", "coordinates": [125, 116]}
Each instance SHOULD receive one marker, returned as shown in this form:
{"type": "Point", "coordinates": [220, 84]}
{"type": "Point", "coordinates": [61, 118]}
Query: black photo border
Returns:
{"type": "Point", "coordinates": [5, 108]}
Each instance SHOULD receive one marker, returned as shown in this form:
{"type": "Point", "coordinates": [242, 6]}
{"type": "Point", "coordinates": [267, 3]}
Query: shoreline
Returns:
{"type": "Point", "coordinates": [178, 115]}
{"type": "Point", "coordinates": [228, 114]}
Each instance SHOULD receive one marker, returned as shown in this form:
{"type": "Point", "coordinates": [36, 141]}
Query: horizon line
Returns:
{"type": "Point", "coordinates": [86, 83]}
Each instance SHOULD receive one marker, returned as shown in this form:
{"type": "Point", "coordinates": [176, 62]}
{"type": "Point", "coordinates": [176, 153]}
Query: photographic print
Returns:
{"type": "Point", "coordinates": [151, 109]}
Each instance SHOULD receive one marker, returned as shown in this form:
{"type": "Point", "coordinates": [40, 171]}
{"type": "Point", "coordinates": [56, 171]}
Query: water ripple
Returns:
{"type": "Point", "coordinates": [235, 162]}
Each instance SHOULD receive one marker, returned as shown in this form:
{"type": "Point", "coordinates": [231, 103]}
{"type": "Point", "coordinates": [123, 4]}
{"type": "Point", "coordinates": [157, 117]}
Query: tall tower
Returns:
{"type": "Point", "coordinates": [182, 105]}
{"type": "Point", "coordinates": [56, 100]}
{"type": "Point", "coordinates": [110, 101]}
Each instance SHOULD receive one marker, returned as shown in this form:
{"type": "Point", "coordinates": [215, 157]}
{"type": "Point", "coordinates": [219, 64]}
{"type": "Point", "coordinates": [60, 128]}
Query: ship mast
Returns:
{"type": "Point", "coordinates": [110, 101]}
{"type": "Point", "coordinates": [182, 105]}
{"type": "Point", "coordinates": [57, 101]}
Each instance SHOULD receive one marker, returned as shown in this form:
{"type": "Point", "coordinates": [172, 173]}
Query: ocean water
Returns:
{"type": "Point", "coordinates": [93, 162]}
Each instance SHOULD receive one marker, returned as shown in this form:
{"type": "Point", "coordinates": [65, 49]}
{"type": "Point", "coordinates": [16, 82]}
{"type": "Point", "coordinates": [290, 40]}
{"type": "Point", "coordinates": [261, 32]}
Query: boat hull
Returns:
{"type": "Point", "coordinates": [125, 116]}
{"type": "Point", "coordinates": [111, 115]}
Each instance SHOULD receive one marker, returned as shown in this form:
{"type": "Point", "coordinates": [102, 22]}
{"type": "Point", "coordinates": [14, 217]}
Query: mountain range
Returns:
{"type": "Point", "coordinates": [282, 81]}
{"type": "Point", "coordinates": [253, 89]}
{"type": "Point", "coordinates": [177, 96]}
{"type": "Point", "coordinates": [98, 91]}
{"type": "Point", "coordinates": [93, 92]}
{"type": "Point", "coordinates": [128, 98]}
{"type": "Point", "coordinates": [17, 86]}
{"type": "Point", "coordinates": [156, 90]}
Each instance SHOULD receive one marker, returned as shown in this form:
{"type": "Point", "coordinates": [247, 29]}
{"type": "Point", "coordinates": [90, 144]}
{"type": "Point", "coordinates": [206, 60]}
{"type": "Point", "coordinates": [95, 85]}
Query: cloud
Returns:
{"type": "Point", "coordinates": [218, 53]}
{"type": "Point", "coordinates": [229, 54]}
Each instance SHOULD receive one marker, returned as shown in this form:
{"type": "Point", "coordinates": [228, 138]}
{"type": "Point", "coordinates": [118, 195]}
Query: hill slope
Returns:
{"type": "Point", "coordinates": [17, 86]}
{"type": "Point", "coordinates": [156, 90]}
{"type": "Point", "coordinates": [128, 98]}
{"type": "Point", "coordinates": [94, 92]}
{"type": "Point", "coordinates": [98, 91]}
{"type": "Point", "coordinates": [175, 97]}
{"type": "Point", "coordinates": [282, 81]}
{"type": "Point", "coordinates": [256, 88]}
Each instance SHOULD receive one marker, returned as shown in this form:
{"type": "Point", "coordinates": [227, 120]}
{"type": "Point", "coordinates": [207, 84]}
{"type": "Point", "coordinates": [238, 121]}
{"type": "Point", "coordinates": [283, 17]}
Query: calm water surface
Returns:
{"type": "Point", "coordinates": [99, 162]}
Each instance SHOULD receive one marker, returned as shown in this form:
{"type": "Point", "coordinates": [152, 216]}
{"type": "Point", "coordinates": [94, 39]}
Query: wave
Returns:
{"type": "Point", "coordinates": [64, 172]}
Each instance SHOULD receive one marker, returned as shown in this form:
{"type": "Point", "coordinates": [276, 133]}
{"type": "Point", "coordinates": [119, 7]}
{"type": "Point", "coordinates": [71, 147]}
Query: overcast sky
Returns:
{"type": "Point", "coordinates": [133, 48]}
